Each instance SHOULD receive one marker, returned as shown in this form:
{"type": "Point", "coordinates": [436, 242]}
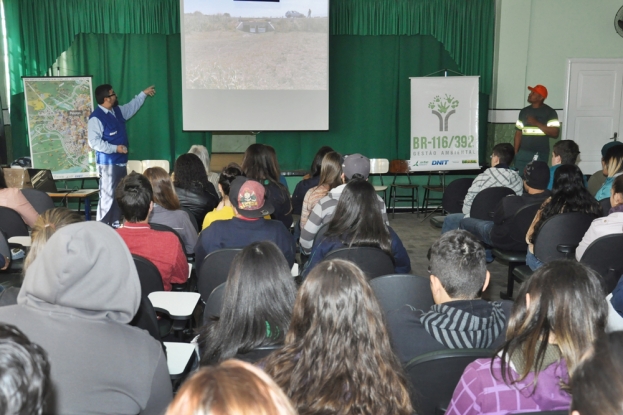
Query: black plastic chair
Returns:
{"type": "Point", "coordinates": [374, 262]}
{"type": "Point", "coordinates": [452, 199]}
{"type": "Point", "coordinates": [518, 228]}
{"type": "Point", "coordinates": [605, 256]}
{"type": "Point", "coordinates": [257, 354]}
{"type": "Point", "coordinates": [557, 239]}
{"type": "Point", "coordinates": [214, 270]}
{"type": "Point", "coordinates": [148, 274]}
{"type": "Point", "coordinates": [486, 201]}
{"type": "Point", "coordinates": [39, 200]}
{"type": "Point", "coordinates": [12, 223]}
{"type": "Point", "coordinates": [192, 218]}
{"type": "Point", "coordinates": [394, 291]}
{"type": "Point", "coordinates": [434, 376]}
{"type": "Point", "coordinates": [146, 319]}
{"type": "Point", "coordinates": [214, 303]}
{"type": "Point", "coordinates": [605, 206]}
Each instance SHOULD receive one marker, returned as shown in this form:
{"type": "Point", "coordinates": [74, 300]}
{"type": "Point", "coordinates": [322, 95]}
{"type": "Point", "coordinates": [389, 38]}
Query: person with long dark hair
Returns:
{"type": "Point", "coordinates": [13, 198]}
{"type": "Point", "coordinates": [337, 357]}
{"type": "Point", "coordinates": [568, 195]}
{"type": "Point", "coordinates": [257, 306]}
{"type": "Point", "coordinates": [558, 314]}
{"type": "Point", "coordinates": [223, 210]}
{"type": "Point", "coordinates": [259, 164]}
{"type": "Point", "coordinates": [309, 181]}
{"type": "Point", "coordinates": [358, 222]}
{"type": "Point", "coordinates": [612, 168]}
{"type": "Point", "coordinates": [330, 178]}
{"type": "Point", "coordinates": [167, 208]}
{"type": "Point", "coordinates": [193, 189]}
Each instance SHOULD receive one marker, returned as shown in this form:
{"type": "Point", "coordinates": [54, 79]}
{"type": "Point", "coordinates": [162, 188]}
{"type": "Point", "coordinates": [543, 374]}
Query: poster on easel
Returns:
{"type": "Point", "coordinates": [57, 112]}
{"type": "Point", "coordinates": [444, 123]}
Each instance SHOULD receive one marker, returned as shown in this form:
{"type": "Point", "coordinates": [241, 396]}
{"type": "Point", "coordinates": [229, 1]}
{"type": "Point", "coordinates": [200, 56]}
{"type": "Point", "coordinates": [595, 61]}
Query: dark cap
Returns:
{"type": "Point", "coordinates": [536, 175]}
{"type": "Point", "coordinates": [356, 164]}
{"type": "Point", "coordinates": [248, 197]}
{"type": "Point", "coordinates": [608, 146]}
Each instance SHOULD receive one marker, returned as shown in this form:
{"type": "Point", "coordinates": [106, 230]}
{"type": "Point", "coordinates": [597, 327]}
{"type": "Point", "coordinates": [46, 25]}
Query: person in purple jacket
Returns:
{"type": "Point", "coordinates": [558, 314]}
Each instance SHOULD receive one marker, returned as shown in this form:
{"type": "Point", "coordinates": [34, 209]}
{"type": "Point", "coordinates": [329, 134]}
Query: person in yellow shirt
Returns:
{"type": "Point", "coordinates": [224, 210]}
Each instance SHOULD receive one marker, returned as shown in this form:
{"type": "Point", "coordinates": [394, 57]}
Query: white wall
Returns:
{"type": "Point", "coordinates": [534, 39]}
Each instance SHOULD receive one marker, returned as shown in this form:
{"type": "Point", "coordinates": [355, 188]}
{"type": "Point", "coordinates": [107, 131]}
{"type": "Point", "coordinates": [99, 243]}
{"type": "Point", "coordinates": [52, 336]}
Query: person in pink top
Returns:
{"type": "Point", "coordinates": [134, 196]}
{"type": "Point", "coordinates": [558, 314]}
{"type": "Point", "coordinates": [14, 199]}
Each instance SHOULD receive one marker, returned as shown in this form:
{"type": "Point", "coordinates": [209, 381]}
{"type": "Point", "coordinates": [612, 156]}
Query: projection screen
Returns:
{"type": "Point", "coordinates": [255, 65]}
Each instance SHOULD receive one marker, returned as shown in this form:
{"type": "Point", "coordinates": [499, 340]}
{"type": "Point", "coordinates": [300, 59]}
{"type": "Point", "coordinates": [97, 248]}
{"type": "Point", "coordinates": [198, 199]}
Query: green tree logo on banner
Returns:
{"type": "Point", "coordinates": [441, 106]}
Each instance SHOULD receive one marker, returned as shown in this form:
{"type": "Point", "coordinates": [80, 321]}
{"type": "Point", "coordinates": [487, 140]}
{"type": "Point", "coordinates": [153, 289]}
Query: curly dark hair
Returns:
{"type": "Point", "coordinates": [568, 195]}
{"type": "Point", "coordinates": [189, 172]}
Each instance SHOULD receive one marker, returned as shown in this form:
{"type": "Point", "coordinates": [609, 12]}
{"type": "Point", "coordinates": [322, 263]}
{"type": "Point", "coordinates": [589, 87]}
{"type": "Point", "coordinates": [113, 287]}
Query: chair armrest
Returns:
{"type": "Point", "coordinates": [491, 214]}
{"type": "Point", "coordinates": [568, 250]}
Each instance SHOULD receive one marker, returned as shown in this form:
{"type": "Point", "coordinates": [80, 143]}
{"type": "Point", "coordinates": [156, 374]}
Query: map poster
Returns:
{"type": "Point", "coordinates": [444, 123]}
{"type": "Point", "coordinates": [57, 111]}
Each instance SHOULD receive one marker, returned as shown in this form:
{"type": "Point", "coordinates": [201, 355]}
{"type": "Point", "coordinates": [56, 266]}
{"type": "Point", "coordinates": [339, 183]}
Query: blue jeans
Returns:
{"type": "Point", "coordinates": [533, 262]}
{"type": "Point", "coordinates": [481, 229]}
{"type": "Point", "coordinates": [451, 222]}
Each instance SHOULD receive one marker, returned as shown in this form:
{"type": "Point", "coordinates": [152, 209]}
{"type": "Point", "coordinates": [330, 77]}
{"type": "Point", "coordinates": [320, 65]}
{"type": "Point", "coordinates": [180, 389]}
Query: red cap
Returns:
{"type": "Point", "coordinates": [539, 89]}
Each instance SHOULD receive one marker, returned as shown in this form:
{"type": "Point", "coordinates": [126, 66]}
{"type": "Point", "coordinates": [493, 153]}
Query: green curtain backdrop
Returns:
{"type": "Point", "coordinates": [368, 73]}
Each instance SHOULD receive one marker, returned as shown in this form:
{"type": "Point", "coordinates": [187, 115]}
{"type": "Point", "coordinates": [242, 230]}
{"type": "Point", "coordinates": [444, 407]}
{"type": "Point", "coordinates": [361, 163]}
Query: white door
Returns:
{"type": "Point", "coordinates": [593, 107]}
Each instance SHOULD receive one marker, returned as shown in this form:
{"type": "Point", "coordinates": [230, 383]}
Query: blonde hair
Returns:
{"type": "Point", "coordinates": [45, 226]}
{"type": "Point", "coordinates": [231, 388]}
{"type": "Point", "coordinates": [203, 154]}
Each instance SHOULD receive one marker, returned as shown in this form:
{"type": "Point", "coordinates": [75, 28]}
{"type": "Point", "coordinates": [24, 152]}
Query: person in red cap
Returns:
{"type": "Point", "coordinates": [537, 122]}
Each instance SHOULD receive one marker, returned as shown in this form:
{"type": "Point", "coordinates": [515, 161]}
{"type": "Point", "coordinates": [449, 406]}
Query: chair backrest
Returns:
{"type": "Point", "coordinates": [135, 165]}
{"type": "Point", "coordinates": [453, 196]}
{"type": "Point", "coordinates": [434, 376]}
{"type": "Point", "coordinates": [257, 354]}
{"type": "Point", "coordinates": [148, 274]}
{"type": "Point", "coordinates": [12, 223]}
{"type": "Point", "coordinates": [146, 318]}
{"type": "Point", "coordinates": [519, 224]}
{"type": "Point", "coordinates": [394, 291]}
{"type": "Point", "coordinates": [39, 200]}
{"type": "Point", "coordinates": [604, 256]}
{"type": "Point", "coordinates": [321, 231]}
{"type": "Point", "coordinates": [399, 166]}
{"type": "Point", "coordinates": [192, 218]}
{"type": "Point", "coordinates": [379, 166]}
{"type": "Point", "coordinates": [605, 206]}
{"type": "Point", "coordinates": [562, 229]}
{"type": "Point", "coordinates": [5, 249]}
{"type": "Point", "coordinates": [486, 200]}
{"type": "Point", "coordinates": [156, 163]}
{"type": "Point", "coordinates": [214, 303]}
{"type": "Point", "coordinates": [164, 228]}
{"type": "Point", "coordinates": [214, 270]}
{"type": "Point", "coordinates": [374, 262]}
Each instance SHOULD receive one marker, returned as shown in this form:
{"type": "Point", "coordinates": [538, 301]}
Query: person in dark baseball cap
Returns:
{"type": "Point", "coordinates": [248, 199]}
{"type": "Point", "coordinates": [536, 175]}
{"type": "Point", "coordinates": [356, 166]}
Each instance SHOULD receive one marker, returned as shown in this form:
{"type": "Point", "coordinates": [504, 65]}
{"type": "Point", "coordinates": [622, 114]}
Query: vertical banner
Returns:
{"type": "Point", "coordinates": [444, 123]}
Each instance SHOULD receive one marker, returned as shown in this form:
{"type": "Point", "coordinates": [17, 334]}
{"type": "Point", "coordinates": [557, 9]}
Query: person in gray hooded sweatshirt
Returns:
{"type": "Point", "coordinates": [76, 301]}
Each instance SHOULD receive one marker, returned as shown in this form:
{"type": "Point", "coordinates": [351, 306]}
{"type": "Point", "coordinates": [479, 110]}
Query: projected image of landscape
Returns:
{"type": "Point", "coordinates": [253, 45]}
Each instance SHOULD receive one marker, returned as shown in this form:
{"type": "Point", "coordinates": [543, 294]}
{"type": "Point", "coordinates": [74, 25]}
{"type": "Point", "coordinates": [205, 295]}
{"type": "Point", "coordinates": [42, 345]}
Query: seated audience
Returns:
{"type": "Point", "coordinates": [248, 200]}
{"type": "Point", "coordinates": [257, 306]}
{"type": "Point", "coordinates": [24, 373]}
{"type": "Point", "coordinates": [204, 156]}
{"type": "Point", "coordinates": [45, 226]}
{"type": "Point", "coordinates": [498, 175]}
{"type": "Point", "coordinates": [568, 195]}
{"type": "Point", "coordinates": [557, 315]}
{"type": "Point", "coordinates": [459, 319]}
{"type": "Point", "coordinates": [231, 388]}
{"type": "Point", "coordinates": [563, 152]}
{"type": "Point", "coordinates": [167, 209]}
{"type": "Point", "coordinates": [309, 181]}
{"type": "Point", "coordinates": [260, 164]}
{"type": "Point", "coordinates": [330, 178]}
{"type": "Point", "coordinates": [613, 223]}
{"type": "Point", "coordinates": [613, 168]}
{"type": "Point", "coordinates": [134, 197]}
{"type": "Point", "coordinates": [78, 296]}
{"type": "Point", "coordinates": [357, 221]}
{"type": "Point", "coordinates": [192, 187]}
{"type": "Point", "coordinates": [337, 357]}
{"type": "Point", "coordinates": [223, 211]}
{"type": "Point", "coordinates": [13, 198]}
{"type": "Point", "coordinates": [496, 232]}
{"type": "Point", "coordinates": [597, 384]}
{"type": "Point", "coordinates": [598, 178]}
{"type": "Point", "coordinates": [354, 166]}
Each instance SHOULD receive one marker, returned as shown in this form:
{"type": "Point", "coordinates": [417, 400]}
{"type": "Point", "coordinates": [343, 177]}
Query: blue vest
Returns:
{"type": "Point", "coordinates": [114, 133]}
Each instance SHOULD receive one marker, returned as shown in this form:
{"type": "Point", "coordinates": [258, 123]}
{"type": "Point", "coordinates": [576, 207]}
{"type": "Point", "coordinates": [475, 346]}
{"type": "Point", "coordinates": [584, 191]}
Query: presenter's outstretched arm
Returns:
{"type": "Point", "coordinates": [151, 91]}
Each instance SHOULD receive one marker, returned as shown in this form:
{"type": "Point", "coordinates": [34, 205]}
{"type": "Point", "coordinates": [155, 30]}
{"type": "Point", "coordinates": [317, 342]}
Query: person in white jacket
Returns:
{"type": "Point", "coordinates": [499, 175]}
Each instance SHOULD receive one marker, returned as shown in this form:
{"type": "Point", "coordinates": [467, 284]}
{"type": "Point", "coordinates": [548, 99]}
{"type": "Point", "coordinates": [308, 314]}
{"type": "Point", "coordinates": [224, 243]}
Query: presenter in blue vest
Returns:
{"type": "Point", "coordinates": [108, 137]}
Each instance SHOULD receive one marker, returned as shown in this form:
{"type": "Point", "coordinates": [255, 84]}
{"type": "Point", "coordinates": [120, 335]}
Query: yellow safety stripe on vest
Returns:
{"type": "Point", "coordinates": [553, 123]}
{"type": "Point", "coordinates": [532, 131]}
{"type": "Point", "coordinates": [519, 125]}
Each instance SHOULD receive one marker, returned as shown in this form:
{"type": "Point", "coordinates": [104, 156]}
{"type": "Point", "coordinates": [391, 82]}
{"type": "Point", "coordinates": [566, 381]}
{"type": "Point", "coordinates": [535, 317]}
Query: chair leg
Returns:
{"type": "Point", "coordinates": [510, 283]}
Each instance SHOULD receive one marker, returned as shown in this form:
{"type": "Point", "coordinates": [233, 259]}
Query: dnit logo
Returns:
{"type": "Point", "coordinates": [439, 162]}
{"type": "Point", "coordinates": [441, 106]}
